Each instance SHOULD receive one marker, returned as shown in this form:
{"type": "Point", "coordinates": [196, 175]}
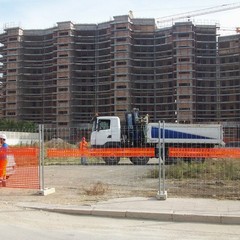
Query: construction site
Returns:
{"type": "Point", "coordinates": [62, 76]}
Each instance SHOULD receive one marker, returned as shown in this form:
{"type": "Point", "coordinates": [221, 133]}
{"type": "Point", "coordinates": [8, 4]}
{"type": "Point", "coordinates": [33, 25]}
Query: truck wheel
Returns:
{"type": "Point", "coordinates": [139, 160]}
{"type": "Point", "coordinates": [111, 160]}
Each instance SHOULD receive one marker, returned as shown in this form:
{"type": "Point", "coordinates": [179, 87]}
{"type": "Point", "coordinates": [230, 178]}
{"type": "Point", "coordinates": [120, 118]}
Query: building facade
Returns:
{"type": "Point", "coordinates": [62, 75]}
{"type": "Point", "coordinates": [229, 75]}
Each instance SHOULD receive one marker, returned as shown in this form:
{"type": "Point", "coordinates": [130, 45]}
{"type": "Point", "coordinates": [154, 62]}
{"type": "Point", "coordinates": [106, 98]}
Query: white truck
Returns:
{"type": "Point", "coordinates": [108, 132]}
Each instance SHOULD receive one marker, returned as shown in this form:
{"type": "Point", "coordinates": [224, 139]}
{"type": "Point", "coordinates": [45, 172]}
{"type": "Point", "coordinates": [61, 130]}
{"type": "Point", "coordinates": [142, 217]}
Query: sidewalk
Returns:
{"type": "Point", "coordinates": [172, 209]}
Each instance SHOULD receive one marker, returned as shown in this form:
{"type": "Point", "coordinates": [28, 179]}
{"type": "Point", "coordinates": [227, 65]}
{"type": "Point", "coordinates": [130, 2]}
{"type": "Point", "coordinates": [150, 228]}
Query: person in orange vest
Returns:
{"type": "Point", "coordinates": [3, 159]}
{"type": "Point", "coordinates": [83, 146]}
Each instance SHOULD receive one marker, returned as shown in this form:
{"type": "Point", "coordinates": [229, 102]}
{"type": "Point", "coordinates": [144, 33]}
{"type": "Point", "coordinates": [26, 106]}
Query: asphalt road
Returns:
{"type": "Point", "coordinates": [27, 224]}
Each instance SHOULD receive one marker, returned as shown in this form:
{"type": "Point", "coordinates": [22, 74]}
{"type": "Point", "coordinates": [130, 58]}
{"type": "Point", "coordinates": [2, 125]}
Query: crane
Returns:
{"type": "Point", "coordinates": [219, 8]}
{"type": "Point", "coordinates": [227, 29]}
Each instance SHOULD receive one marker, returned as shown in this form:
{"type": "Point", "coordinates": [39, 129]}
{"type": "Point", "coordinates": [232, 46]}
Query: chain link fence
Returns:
{"type": "Point", "coordinates": [22, 155]}
{"type": "Point", "coordinates": [201, 176]}
{"type": "Point", "coordinates": [52, 157]}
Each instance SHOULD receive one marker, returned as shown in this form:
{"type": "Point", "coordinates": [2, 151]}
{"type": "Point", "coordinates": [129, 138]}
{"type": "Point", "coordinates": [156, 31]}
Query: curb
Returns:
{"type": "Point", "coordinates": [157, 216]}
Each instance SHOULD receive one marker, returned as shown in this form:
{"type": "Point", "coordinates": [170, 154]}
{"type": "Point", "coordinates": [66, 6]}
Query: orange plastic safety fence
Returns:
{"type": "Point", "coordinates": [204, 152]}
{"type": "Point", "coordinates": [23, 168]}
{"type": "Point", "coordinates": [24, 151]}
{"type": "Point", "coordinates": [102, 152]}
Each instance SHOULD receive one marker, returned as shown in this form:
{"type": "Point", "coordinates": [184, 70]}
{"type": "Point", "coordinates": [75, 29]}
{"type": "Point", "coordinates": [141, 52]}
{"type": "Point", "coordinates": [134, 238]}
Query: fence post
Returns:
{"type": "Point", "coordinates": [162, 193]}
{"type": "Point", "coordinates": [41, 156]}
{"type": "Point", "coordinates": [43, 191]}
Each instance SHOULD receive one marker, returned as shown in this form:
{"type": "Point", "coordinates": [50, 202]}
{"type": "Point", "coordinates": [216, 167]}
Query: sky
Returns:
{"type": "Point", "coordinates": [41, 14]}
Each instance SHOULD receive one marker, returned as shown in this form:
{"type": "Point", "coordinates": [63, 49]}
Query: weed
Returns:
{"type": "Point", "coordinates": [97, 189]}
{"type": "Point", "coordinates": [221, 169]}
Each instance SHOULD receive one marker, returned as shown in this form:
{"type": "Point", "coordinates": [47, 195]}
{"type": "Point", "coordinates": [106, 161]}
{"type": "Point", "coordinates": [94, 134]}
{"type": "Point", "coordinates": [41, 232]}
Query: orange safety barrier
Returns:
{"type": "Point", "coordinates": [204, 152]}
{"type": "Point", "coordinates": [23, 168]}
{"type": "Point", "coordinates": [24, 151]}
{"type": "Point", "coordinates": [25, 156]}
{"type": "Point", "coordinates": [101, 152]}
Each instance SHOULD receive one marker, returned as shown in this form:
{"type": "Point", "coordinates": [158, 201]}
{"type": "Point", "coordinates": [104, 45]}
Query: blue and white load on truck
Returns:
{"type": "Point", "coordinates": [185, 133]}
{"type": "Point", "coordinates": [108, 132]}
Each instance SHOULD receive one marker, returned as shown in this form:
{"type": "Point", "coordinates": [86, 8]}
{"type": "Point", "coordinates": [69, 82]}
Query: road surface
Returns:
{"type": "Point", "coordinates": [27, 224]}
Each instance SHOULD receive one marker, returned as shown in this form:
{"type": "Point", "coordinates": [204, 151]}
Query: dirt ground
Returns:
{"type": "Point", "coordinates": [76, 184]}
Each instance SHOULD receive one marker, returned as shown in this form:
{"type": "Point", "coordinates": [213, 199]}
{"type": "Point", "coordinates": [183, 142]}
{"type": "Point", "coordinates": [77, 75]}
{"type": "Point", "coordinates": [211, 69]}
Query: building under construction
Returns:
{"type": "Point", "coordinates": [62, 75]}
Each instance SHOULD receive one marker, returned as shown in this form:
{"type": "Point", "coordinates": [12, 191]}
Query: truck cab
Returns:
{"type": "Point", "coordinates": [106, 132]}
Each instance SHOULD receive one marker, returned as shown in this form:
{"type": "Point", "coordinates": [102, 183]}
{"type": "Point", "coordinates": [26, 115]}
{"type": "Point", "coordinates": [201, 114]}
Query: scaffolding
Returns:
{"type": "Point", "coordinates": [63, 75]}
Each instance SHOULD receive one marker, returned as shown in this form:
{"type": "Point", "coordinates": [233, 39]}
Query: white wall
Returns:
{"type": "Point", "coordinates": [21, 138]}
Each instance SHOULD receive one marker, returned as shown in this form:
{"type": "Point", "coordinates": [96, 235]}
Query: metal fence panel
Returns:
{"type": "Point", "coordinates": [197, 176]}
{"type": "Point", "coordinates": [191, 170]}
{"type": "Point", "coordinates": [22, 160]}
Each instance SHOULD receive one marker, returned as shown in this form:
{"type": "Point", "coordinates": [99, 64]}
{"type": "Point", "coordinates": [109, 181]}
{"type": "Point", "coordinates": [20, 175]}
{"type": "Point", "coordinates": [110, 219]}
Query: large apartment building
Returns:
{"type": "Point", "coordinates": [229, 75]}
{"type": "Point", "coordinates": [62, 75]}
